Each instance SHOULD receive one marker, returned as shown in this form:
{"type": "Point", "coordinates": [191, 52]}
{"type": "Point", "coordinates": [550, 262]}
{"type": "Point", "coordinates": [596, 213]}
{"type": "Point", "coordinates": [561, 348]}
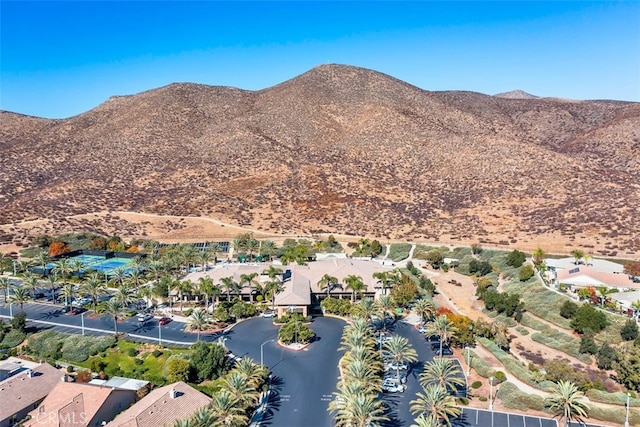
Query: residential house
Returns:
{"type": "Point", "coordinates": [162, 407]}
{"type": "Point", "coordinates": [25, 385]}
{"type": "Point", "coordinates": [80, 405]}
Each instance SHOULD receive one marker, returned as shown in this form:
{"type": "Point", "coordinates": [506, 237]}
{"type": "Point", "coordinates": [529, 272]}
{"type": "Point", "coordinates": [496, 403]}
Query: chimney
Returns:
{"type": "Point", "coordinates": [63, 379]}
{"type": "Point", "coordinates": [29, 373]}
{"type": "Point", "coordinates": [173, 393]}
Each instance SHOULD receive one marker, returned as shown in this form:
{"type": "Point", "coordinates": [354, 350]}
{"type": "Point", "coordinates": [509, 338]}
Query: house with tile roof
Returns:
{"type": "Point", "coordinates": [581, 276]}
{"type": "Point", "coordinates": [162, 407]}
{"type": "Point", "coordinates": [80, 405]}
{"type": "Point", "coordinates": [300, 287]}
{"type": "Point", "coordinates": [24, 388]}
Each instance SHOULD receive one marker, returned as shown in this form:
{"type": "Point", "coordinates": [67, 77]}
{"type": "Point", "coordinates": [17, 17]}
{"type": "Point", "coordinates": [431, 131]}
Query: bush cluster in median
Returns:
{"type": "Point", "coordinates": [74, 348]}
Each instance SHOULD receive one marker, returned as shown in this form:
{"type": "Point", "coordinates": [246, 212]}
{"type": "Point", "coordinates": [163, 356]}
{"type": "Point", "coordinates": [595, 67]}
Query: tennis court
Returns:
{"type": "Point", "coordinates": [108, 265]}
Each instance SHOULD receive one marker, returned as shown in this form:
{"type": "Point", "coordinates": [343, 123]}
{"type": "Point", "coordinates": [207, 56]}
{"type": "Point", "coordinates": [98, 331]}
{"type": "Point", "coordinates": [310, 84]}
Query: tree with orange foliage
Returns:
{"type": "Point", "coordinates": [464, 325]}
{"type": "Point", "coordinates": [443, 310]}
{"type": "Point", "coordinates": [133, 250]}
{"type": "Point", "coordinates": [58, 248]}
{"type": "Point", "coordinates": [632, 268]}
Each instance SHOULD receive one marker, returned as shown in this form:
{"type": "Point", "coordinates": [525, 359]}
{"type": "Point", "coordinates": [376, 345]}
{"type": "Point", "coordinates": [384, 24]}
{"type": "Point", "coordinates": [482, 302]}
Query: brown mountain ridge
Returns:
{"type": "Point", "coordinates": [337, 149]}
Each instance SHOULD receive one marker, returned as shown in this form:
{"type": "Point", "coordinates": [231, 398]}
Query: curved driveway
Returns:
{"type": "Point", "coordinates": [303, 381]}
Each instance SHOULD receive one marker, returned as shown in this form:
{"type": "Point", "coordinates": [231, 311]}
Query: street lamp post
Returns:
{"type": "Point", "coordinates": [159, 334]}
{"type": "Point", "coordinates": [262, 351]}
{"type": "Point", "coordinates": [468, 360]}
{"type": "Point", "coordinates": [626, 418]}
{"type": "Point", "coordinates": [491, 393]}
{"type": "Point", "coordinates": [82, 320]}
{"type": "Point", "coordinates": [11, 310]}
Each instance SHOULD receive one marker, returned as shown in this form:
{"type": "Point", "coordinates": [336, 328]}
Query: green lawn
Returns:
{"type": "Point", "coordinates": [119, 361]}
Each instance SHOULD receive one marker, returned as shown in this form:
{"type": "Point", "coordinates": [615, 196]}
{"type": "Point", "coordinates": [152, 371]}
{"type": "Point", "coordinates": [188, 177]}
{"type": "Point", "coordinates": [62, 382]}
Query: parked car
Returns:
{"type": "Point", "coordinates": [268, 313]}
{"type": "Point", "coordinates": [77, 310]}
{"type": "Point", "coordinates": [164, 320]}
{"type": "Point", "coordinates": [391, 376]}
{"type": "Point", "coordinates": [143, 317]}
{"type": "Point", "coordinates": [446, 350]}
{"type": "Point", "coordinates": [393, 387]}
{"type": "Point", "coordinates": [396, 366]}
{"type": "Point", "coordinates": [422, 329]}
{"type": "Point", "coordinates": [38, 295]}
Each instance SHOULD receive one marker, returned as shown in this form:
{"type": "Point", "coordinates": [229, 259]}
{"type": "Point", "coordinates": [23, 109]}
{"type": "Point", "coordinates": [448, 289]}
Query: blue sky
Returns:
{"type": "Point", "coordinates": [59, 59]}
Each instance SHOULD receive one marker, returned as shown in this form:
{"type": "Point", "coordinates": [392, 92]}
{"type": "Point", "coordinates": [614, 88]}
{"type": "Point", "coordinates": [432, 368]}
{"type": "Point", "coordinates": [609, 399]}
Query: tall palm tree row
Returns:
{"type": "Point", "coordinates": [443, 372]}
{"type": "Point", "coordinates": [356, 402]}
{"type": "Point", "coordinates": [435, 406]}
{"type": "Point", "coordinates": [94, 288]}
{"type": "Point", "coordinates": [400, 351]}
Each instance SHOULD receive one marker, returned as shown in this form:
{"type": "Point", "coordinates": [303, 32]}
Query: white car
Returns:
{"type": "Point", "coordinates": [391, 376]}
{"type": "Point", "coordinates": [268, 314]}
{"type": "Point", "coordinates": [143, 317]}
{"type": "Point", "coordinates": [396, 366]}
{"type": "Point", "coordinates": [393, 387]}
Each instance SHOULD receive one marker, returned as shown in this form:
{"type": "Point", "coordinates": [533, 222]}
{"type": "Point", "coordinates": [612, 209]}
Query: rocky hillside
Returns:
{"type": "Point", "coordinates": [339, 149]}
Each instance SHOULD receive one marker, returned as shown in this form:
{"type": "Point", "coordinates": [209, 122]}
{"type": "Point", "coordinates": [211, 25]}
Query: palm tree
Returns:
{"type": "Point", "coordinates": [364, 374]}
{"type": "Point", "coordinates": [272, 272]}
{"type": "Point", "coordinates": [327, 282]}
{"type": "Point", "coordinates": [204, 257]}
{"type": "Point", "coordinates": [356, 284]}
{"type": "Point", "coordinates": [539, 256]}
{"type": "Point", "coordinates": [118, 276]}
{"type": "Point", "coordinates": [42, 258]}
{"type": "Point", "coordinates": [400, 351]}
{"type": "Point", "coordinates": [203, 418]}
{"type": "Point", "coordinates": [134, 279]}
{"type": "Point", "coordinates": [566, 402]}
{"type": "Point", "coordinates": [114, 308]}
{"type": "Point", "coordinates": [229, 285]}
{"type": "Point", "coordinates": [443, 327]}
{"type": "Point", "coordinates": [578, 255]}
{"type": "Point", "coordinates": [4, 286]}
{"type": "Point", "coordinates": [19, 296]}
{"type": "Point", "coordinates": [252, 246]}
{"type": "Point", "coordinates": [125, 296]}
{"type": "Point", "coordinates": [225, 409]}
{"type": "Point", "coordinates": [30, 282]}
{"type": "Point", "coordinates": [240, 388]}
{"type": "Point", "coordinates": [254, 372]}
{"type": "Point", "coordinates": [206, 288]}
{"type": "Point", "coordinates": [62, 267]}
{"type": "Point", "coordinates": [421, 421]}
{"type": "Point", "coordinates": [250, 280]}
{"type": "Point", "coordinates": [437, 404]}
{"type": "Point", "coordinates": [385, 305]}
{"type": "Point", "coordinates": [68, 292]}
{"type": "Point", "coordinates": [425, 309]}
{"type": "Point", "coordinates": [184, 287]}
{"type": "Point", "coordinates": [198, 320]}
{"type": "Point", "coordinates": [3, 261]}
{"type": "Point", "coordinates": [367, 307]}
{"type": "Point", "coordinates": [273, 287]}
{"type": "Point", "coordinates": [604, 291]}
{"type": "Point", "coordinates": [93, 287]}
{"type": "Point", "coordinates": [268, 248]}
{"type": "Point", "coordinates": [361, 410]}
{"type": "Point", "coordinates": [443, 372]}
{"type": "Point", "coordinates": [52, 280]}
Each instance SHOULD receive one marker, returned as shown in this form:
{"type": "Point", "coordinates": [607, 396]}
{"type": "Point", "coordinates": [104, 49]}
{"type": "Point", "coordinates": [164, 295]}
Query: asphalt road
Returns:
{"type": "Point", "coordinates": [46, 315]}
{"type": "Point", "coordinates": [303, 381]}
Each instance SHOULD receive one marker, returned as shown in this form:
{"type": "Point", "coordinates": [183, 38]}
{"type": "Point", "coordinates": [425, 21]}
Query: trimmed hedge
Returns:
{"type": "Point", "coordinates": [480, 366]}
{"type": "Point", "coordinates": [74, 348]}
{"type": "Point", "coordinates": [618, 398]}
{"type": "Point", "coordinates": [399, 251]}
{"type": "Point", "coordinates": [512, 397]}
{"type": "Point", "coordinates": [533, 323]}
{"type": "Point", "coordinates": [511, 364]}
{"type": "Point", "coordinates": [12, 339]}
